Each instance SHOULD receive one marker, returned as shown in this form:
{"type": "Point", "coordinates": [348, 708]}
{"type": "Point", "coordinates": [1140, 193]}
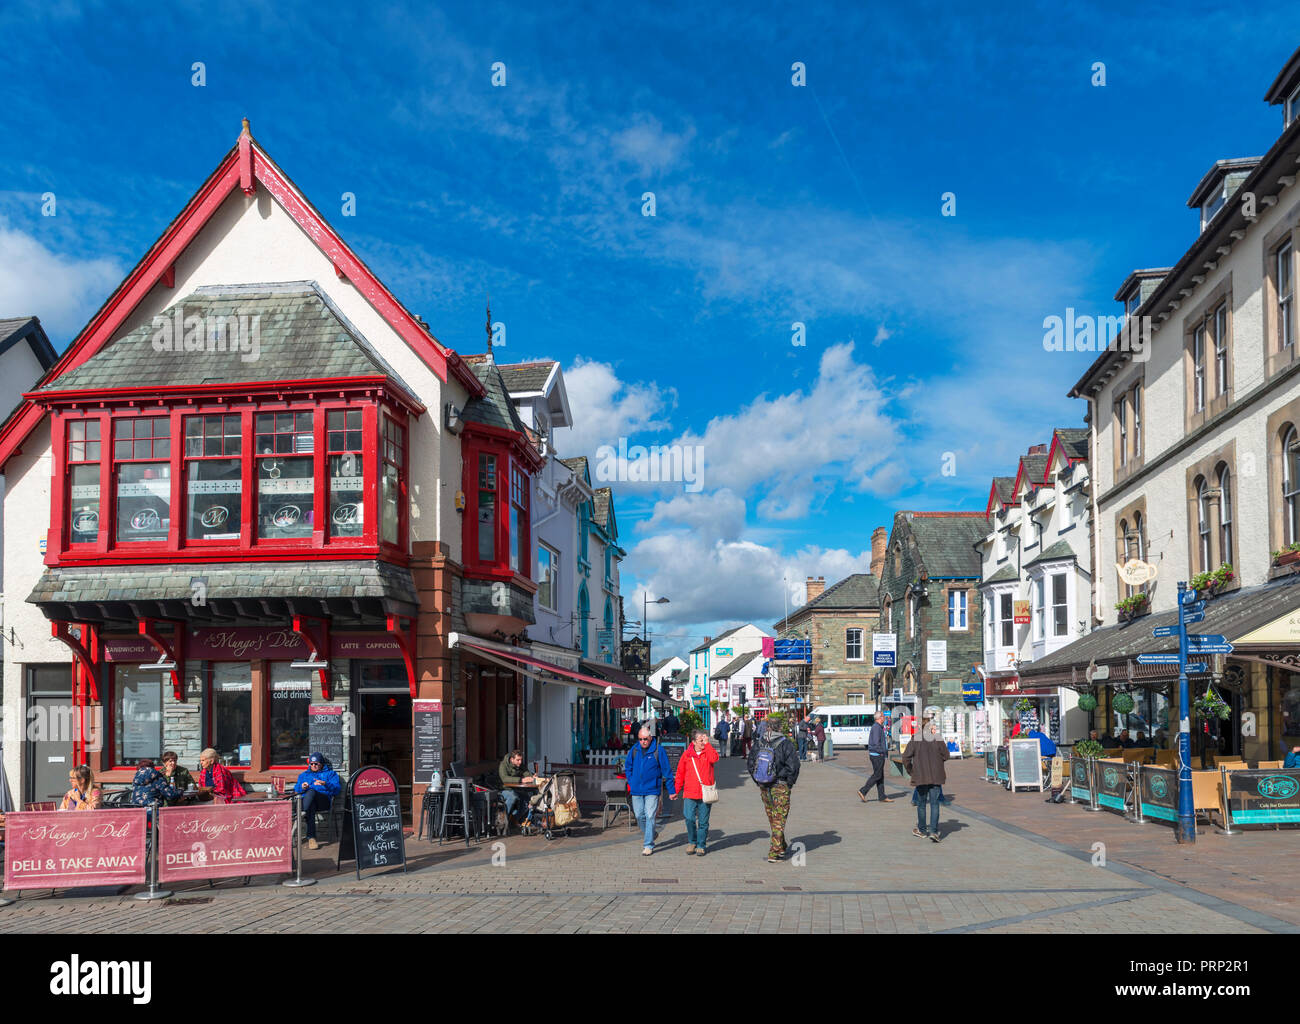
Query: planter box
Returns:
{"type": "Point", "coordinates": [1287, 558]}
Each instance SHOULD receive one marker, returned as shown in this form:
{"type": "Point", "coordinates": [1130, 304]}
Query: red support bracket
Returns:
{"type": "Point", "coordinates": [83, 641]}
{"type": "Point", "coordinates": [169, 276]}
{"type": "Point", "coordinates": [315, 633]}
{"type": "Point", "coordinates": [172, 650]}
{"type": "Point", "coordinates": [402, 629]}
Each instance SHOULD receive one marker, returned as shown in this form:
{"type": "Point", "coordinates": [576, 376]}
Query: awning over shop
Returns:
{"type": "Point", "coordinates": [619, 677]}
{"type": "Point", "coordinates": [519, 660]}
{"type": "Point", "coordinates": [1255, 620]}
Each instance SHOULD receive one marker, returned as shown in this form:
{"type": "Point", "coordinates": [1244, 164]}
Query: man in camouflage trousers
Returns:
{"type": "Point", "coordinates": [774, 766]}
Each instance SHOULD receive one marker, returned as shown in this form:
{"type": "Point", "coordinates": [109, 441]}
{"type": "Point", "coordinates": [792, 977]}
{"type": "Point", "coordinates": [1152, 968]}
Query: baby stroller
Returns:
{"type": "Point", "coordinates": [554, 807]}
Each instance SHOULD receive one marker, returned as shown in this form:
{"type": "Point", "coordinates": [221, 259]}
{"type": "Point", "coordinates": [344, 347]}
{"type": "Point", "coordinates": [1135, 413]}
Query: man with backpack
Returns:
{"type": "Point", "coordinates": [774, 767]}
{"type": "Point", "coordinates": [647, 772]}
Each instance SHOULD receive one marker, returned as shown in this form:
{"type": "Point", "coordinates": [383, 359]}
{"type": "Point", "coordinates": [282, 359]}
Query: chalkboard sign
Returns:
{"type": "Point", "coordinates": [372, 821]}
{"type": "Point", "coordinates": [1026, 764]}
{"type": "Point", "coordinates": [325, 732]}
{"type": "Point", "coordinates": [426, 717]}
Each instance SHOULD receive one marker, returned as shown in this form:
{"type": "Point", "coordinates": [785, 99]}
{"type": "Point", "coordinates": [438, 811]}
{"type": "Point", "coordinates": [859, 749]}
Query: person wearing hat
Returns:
{"type": "Point", "coordinates": [319, 785]}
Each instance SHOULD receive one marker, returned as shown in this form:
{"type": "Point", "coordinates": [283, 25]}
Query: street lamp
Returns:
{"type": "Point", "coordinates": [645, 628]}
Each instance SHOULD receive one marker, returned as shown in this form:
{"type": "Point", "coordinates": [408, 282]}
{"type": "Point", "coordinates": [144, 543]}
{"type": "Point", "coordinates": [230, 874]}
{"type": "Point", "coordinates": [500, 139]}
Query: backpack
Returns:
{"type": "Point", "coordinates": [765, 765]}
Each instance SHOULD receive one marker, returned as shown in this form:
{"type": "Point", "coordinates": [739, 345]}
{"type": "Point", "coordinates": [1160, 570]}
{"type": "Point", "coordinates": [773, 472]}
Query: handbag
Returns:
{"type": "Point", "coordinates": [708, 794]}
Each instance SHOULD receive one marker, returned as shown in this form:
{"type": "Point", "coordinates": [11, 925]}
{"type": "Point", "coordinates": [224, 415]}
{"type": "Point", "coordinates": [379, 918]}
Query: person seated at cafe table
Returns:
{"type": "Point", "coordinates": [178, 775]}
{"type": "Point", "coordinates": [319, 785]}
{"type": "Point", "coordinates": [1124, 741]}
{"type": "Point", "coordinates": [513, 773]}
{"type": "Point", "coordinates": [217, 778]}
{"type": "Point", "coordinates": [150, 786]}
{"type": "Point", "coordinates": [1292, 758]}
{"type": "Point", "coordinates": [84, 794]}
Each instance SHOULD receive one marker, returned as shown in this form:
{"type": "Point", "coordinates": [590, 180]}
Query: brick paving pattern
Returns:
{"type": "Point", "coordinates": [1009, 863]}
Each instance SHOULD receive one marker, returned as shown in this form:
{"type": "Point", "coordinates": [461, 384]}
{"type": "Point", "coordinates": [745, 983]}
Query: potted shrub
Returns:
{"type": "Point", "coordinates": [1133, 606]}
{"type": "Point", "coordinates": [1209, 583]}
{"type": "Point", "coordinates": [1288, 555]}
{"type": "Point", "coordinates": [1088, 748]}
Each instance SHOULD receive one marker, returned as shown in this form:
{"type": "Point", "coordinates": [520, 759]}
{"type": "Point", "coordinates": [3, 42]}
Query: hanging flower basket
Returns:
{"type": "Point", "coordinates": [1211, 705]}
{"type": "Point", "coordinates": [1122, 703]}
{"type": "Point", "coordinates": [1088, 702]}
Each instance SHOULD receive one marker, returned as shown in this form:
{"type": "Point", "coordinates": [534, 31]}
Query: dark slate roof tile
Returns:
{"type": "Point", "coordinates": [946, 541]}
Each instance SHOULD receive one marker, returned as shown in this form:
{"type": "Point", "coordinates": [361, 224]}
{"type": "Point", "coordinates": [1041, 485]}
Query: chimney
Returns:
{"type": "Point", "coordinates": [879, 540]}
{"type": "Point", "coordinates": [815, 585]}
{"type": "Point", "coordinates": [1037, 449]}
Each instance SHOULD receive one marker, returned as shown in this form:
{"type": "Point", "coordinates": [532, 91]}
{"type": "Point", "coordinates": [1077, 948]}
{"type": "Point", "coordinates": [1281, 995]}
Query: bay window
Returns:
{"type": "Point", "coordinates": [487, 508]}
{"type": "Point", "coordinates": [1006, 620]}
{"type": "Point", "coordinates": [519, 545]}
{"type": "Point", "coordinates": [213, 477]}
{"type": "Point", "coordinates": [347, 477]}
{"type": "Point", "coordinates": [83, 481]}
{"type": "Point", "coordinates": [390, 482]}
{"type": "Point", "coordinates": [1039, 608]}
{"type": "Point", "coordinates": [1060, 609]}
{"type": "Point", "coordinates": [497, 528]}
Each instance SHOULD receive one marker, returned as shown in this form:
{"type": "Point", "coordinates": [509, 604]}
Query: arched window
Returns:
{"type": "Point", "coordinates": [889, 614]}
{"type": "Point", "coordinates": [609, 631]}
{"type": "Point", "coordinates": [1139, 547]}
{"type": "Point", "coordinates": [1290, 486]}
{"type": "Point", "coordinates": [1202, 523]}
{"type": "Point", "coordinates": [1124, 542]}
{"type": "Point", "coordinates": [1225, 513]}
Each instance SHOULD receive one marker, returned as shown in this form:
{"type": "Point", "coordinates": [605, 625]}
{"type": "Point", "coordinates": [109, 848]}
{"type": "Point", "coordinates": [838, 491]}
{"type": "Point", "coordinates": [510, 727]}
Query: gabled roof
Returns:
{"type": "Point", "coordinates": [247, 167]}
{"type": "Point", "coordinates": [945, 542]}
{"type": "Point", "coordinates": [1285, 81]}
{"type": "Point", "coordinates": [493, 408]}
{"type": "Point", "coordinates": [602, 506]}
{"type": "Point", "coordinates": [1002, 492]}
{"type": "Point", "coordinates": [1215, 175]}
{"type": "Point", "coordinates": [861, 590]}
{"type": "Point", "coordinates": [1060, 551]}
{"type": "Point", "coordinates": [14, 330]}
{"type": "Point", "coordinates": [1031, 472]}
{"type": "Point", "coordinates": [1072, 441]}
{"type": "Point", "coordinates": [579, 467]}
{"type": "Point", "coordinates": [722, 636]}
{"type": "Point", "coordinates": [296, 327]}
{"type": "Point", "coordinates": [527, 378]}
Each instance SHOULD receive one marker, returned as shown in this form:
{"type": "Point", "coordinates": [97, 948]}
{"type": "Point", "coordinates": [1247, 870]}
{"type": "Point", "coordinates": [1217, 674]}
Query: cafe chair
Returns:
{"type": "Point", "coordinates": [617, 799]}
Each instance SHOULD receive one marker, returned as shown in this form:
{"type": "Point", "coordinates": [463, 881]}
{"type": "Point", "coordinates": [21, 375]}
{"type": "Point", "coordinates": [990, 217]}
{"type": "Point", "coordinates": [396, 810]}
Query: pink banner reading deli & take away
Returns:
{"type": "Point", "coordinates": [67, 849]}
{"type": "Point", "coordinates": [225, 840]}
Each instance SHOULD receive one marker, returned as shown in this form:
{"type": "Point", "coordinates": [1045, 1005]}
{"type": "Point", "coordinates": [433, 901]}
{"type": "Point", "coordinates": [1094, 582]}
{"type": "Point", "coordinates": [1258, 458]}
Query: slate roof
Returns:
{"type": "Point", "coordinates": [318, 579]}
{"type": "Point", "coordinates": [719, 638]}
{"type": "Point", "coordinates": [495, 408]}
{"type": "Point", "coordinates": [1074, 441]}
{"type": "Point", "coordinates": [861, 590]}
{"type": "Point", "coordinates": [1034, 467]}
{"type": "Point", "coordinates": [524, 377]}
{"type": "Point", "coordinates": [1233, 614]}
{"type": "Point", "coordinates": [946, 542]}
{"type": "Point", "coordinates": [1005, 488]}
{"type": "Point", "coordinates": [1060, 550]}
{"type": "Point", "coordinates": [735, 664]}
{"type": "Point", "coordinates": [1006, 574]}
{"type": "Point", "coordinates": [299, 333]}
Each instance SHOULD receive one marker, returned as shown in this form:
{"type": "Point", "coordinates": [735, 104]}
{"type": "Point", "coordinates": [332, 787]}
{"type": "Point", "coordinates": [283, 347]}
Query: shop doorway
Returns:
{"type": "Point", "coordinates": [50, 731]}
{"type": "Point", "coordinates": [381, 702]}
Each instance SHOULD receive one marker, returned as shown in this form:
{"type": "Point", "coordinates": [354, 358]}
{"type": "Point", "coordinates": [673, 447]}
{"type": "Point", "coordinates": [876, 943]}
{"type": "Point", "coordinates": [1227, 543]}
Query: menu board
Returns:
{"type": "Point", "coordinates": [1054, 720]}
{"type": "Point", "coordinates": [325, 731]}
{"type": "Point", "coordinates": [372, 821]}
{"type": "Point", "coordinates": [426, 718]}
{"type": "Point", "coordinates": [142, 717]}
{"type": "Point", "coordinates": [1026, 764]}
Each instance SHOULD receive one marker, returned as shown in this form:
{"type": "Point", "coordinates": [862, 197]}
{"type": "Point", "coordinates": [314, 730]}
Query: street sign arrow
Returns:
{"type": "Point", "coordinates": [1192, 617]}
{"type": "Point", "coordinates": [1157, 659]}
{"type": "Point", "coordinates": [1188, 596]}
{"type": "Point", "coordinates": [1194, 667]}
{"type": "Point", "coordinates": [1165, 631]}
{"type": "Point", "coordinates": [1192, 607]}
{"type": "Point", "coordinates": [1199, 649]}
{"type": "Point", "coordinates": [1206, 638]}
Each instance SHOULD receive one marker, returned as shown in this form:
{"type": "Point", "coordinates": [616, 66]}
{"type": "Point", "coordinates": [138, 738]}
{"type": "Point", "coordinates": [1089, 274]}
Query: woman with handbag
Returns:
{"type": "Point", "coordinates": [699, 789]}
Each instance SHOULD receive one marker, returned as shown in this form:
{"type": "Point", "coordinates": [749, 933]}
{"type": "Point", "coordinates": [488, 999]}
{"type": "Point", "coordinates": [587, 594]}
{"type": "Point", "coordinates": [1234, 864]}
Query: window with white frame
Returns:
{"type": "Point", "coordinates": [913, 608]}
{"type": "Point", "coordinates": [1221, 349]}
{"type": "Point", "coordinates": [1039, 610]}
{"type": "Point", "coordinates": [853, 645]}
{"type": "Point", "coordinates": [855, 699]}
{"type": "Point", "coordinates": [1285, 295]}
{"type": "Point", "coordinates": [957, 609]}
{"type": "Point", "coordinates": [1291, 485]}
{"type": "Point", "coordinates": [1121, 426]}
{"type": "Point", "coordinates": [1225, 513]}
{"type": "Point", "coordinates": [1135, 399]}
{"type": "Point", "coordinates": [1060, 608]}
{"type": "Point", "coordinates": [1006, 620]}
{"type": "Point", "coordinates": [1203, 523]}
{"type": "Point", "coordinates": [1198, 369]}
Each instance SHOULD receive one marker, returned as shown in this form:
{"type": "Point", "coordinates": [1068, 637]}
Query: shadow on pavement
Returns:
{"type": "Point", "coordinates": [817, 841]}
{"type": "Point", "coordinates": [727, 840]}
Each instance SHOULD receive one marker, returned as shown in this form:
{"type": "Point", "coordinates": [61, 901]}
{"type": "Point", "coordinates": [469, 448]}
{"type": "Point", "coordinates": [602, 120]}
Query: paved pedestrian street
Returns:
{"type": "Point", "coordinates": [1008, 863]}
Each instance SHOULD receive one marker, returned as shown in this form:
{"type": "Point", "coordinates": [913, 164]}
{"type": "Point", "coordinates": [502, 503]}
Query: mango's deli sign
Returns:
{"type": "Point", "coordinates": [248, 643]}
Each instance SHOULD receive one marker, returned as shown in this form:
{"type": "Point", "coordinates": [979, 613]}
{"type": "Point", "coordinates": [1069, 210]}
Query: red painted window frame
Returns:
{"type": "Point", "coordinates": [107, 550]}
{"type": "Point", "coordinates": [205, 705]}
{"type": "Point", "coordinates": [266, 724]}
{"type": "Point", "coordinates": [507, 462]}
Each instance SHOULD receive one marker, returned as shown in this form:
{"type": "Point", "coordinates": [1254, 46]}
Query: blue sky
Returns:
{"type": "Point", "coordinates": [774, 204]}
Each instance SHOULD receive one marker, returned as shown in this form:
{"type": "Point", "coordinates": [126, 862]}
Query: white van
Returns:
{"type": "Point", "coordinates": [847, 724]}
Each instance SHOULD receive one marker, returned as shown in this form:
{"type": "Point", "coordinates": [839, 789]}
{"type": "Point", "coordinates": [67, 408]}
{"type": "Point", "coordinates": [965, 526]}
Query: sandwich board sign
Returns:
{"type": "Point", "coordinates": [1026, 764]}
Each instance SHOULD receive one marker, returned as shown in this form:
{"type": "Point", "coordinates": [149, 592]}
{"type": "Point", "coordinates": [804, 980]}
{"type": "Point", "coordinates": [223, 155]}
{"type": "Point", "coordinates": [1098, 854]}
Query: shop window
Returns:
{"type": "Point", "coordinates": [142, 453]}
{"type": "Point", "coordinates": [343, 443]}
{"type": "Point", "coordinates": [213, 477]}
{"type": "Point", "coordinates": [137, 714]}
{"type": "Point", "coordinates": [289, 698]}
{"type": "Point", "coordinates": [83, 481]}
{"type": "Point", "coordinates": [1290, 705]}
{"type": "Point", "coordinates": [286, 484]}
{"type": "Point", "coordinates": [390, 484]}
{"type": "Point", "coordinates": [230, 711]}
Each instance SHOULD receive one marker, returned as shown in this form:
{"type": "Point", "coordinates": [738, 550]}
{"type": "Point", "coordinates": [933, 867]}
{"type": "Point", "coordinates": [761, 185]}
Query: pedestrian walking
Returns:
{"type": "Point", "coordinates": [749, 734]}
{"type": "Point", "coordinates": [720, 733]}
{"type": "Point", "coordinates": [818, 733]}
{"type": "Point", "coordinates": [737, 735]}
{"type": "Point", "coordinates": [801, 731]}
{"type": "Point", "coordinates": [699, 789]}
{"type": "Point", "coordinates": [878, 751]}
{"type": "Point", "coordinates": [923, 759]}
{"type": "Point", "coordinates": [647, 772]}
{"type": "Point", "coordinates": [774, 766]}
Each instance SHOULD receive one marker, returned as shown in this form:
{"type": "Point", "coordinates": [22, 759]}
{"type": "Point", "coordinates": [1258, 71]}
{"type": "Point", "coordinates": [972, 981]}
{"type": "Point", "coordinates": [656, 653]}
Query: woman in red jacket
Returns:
{"type": "Point", "coordinates": [696, 783]}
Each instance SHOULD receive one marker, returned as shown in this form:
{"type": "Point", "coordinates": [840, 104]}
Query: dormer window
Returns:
{"type": "Point", "coordinates": [1292, 109]}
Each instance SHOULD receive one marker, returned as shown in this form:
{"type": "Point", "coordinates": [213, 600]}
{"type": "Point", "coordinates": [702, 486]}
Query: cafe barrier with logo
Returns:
{"type": "Point", "coordinates": [76, 849]}
{"type": "Point", "coordinates": [1262, 797]}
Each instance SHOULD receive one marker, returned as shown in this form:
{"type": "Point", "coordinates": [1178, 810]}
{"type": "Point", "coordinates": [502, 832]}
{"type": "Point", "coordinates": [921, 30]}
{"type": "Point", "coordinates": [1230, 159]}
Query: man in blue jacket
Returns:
{"type": "Point", "coordinates": [647, 770]}
{"type": "Point", "coordinates": [319, 785]}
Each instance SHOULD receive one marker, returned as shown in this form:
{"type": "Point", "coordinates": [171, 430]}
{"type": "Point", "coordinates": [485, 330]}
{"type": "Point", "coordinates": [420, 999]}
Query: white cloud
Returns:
{"type": "Point", "coordinates": [63, 291]}
{"type": "Point", "coordinates": [720, 514]}
{"type": "Point", "coordinates": [606, 408]}
{"type": "Point", "coordinates": [883, 334]}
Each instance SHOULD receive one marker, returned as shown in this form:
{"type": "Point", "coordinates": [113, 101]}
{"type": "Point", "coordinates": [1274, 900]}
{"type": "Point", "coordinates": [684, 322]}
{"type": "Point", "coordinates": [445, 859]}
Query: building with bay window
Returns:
{"type": "Point", "coordinates": [258, 495]}
{"type": "Point", "coordinates": [1036, 584]}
